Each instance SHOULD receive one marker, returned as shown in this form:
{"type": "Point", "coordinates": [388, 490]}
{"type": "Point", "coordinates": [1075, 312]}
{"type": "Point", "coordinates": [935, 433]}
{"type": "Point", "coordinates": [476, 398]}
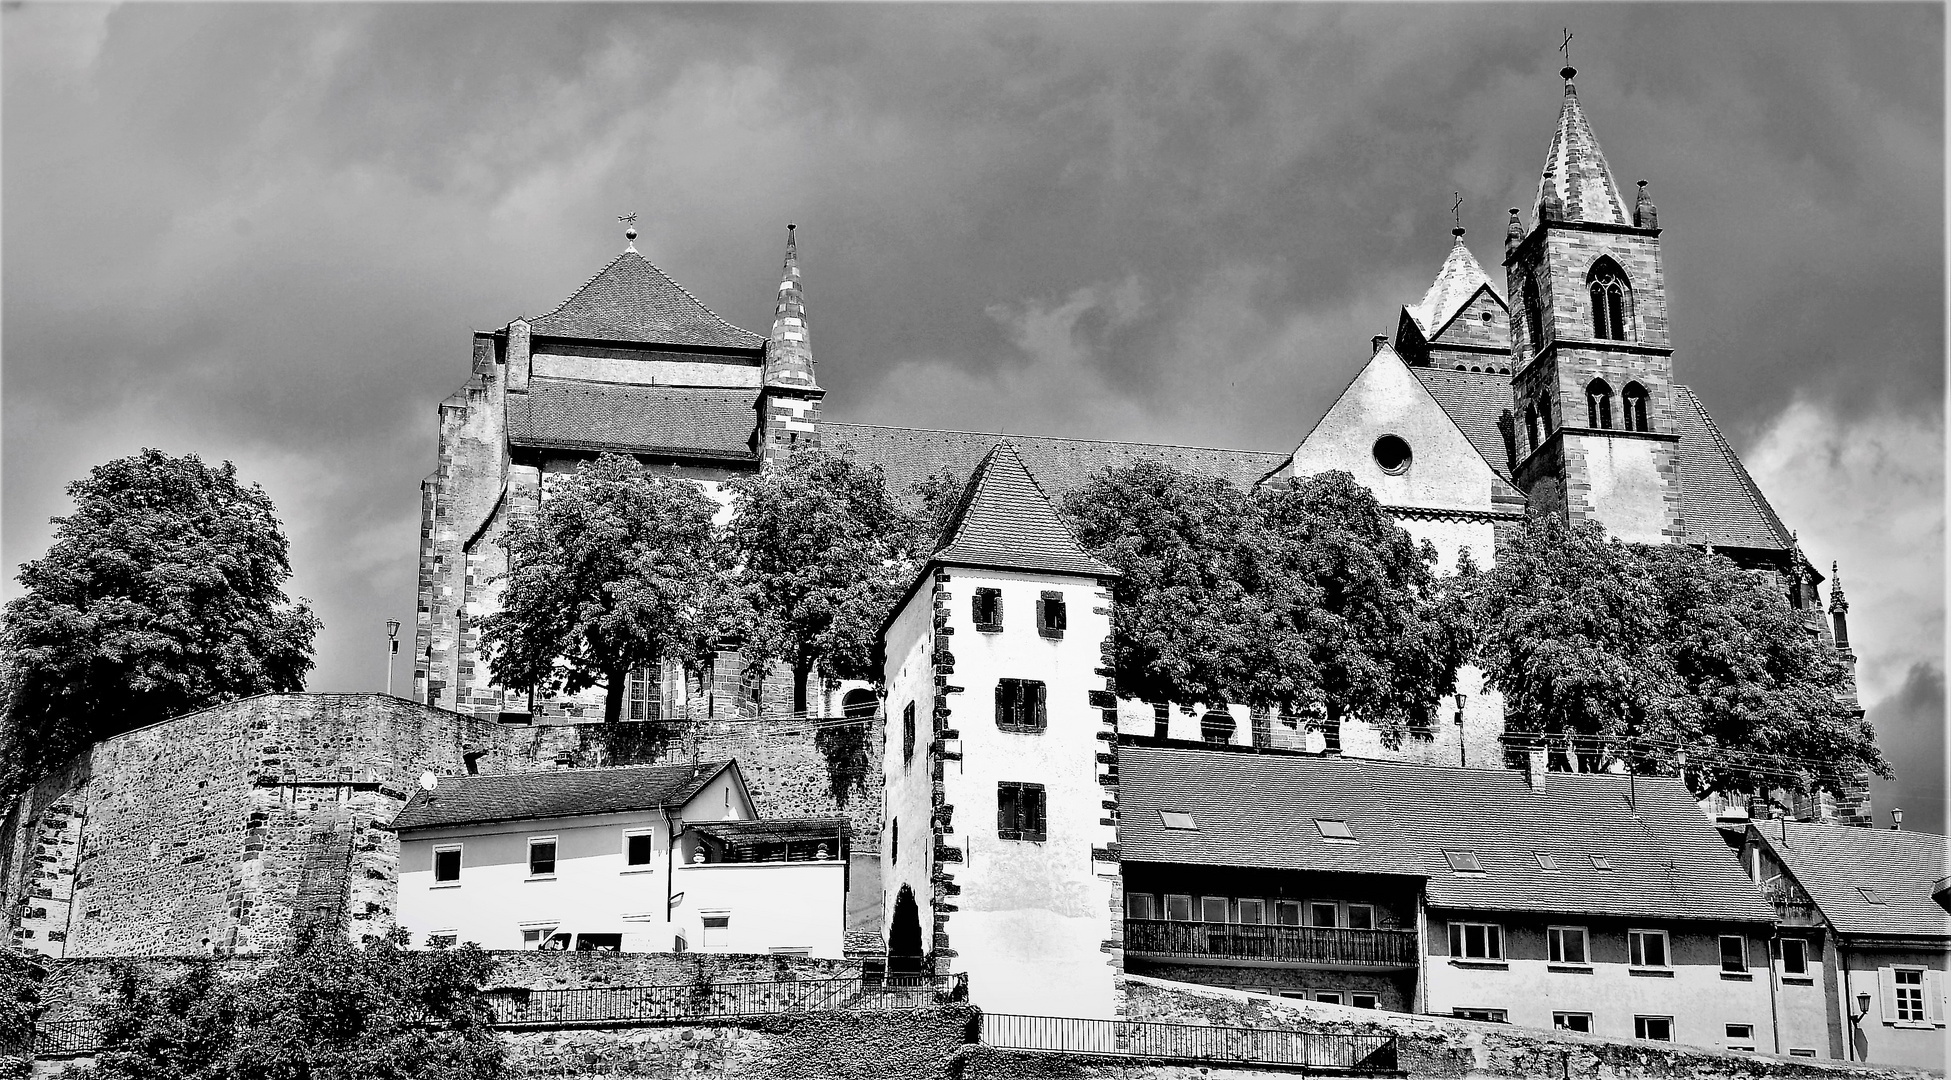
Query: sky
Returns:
{"type": "Point", "coordinates": [263, 233]}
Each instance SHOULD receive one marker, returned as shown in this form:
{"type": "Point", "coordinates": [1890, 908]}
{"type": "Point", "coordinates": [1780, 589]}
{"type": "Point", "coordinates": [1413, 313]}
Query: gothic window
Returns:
{"type": "Point", "coordinates": [1531, 425]}
{"type": "Point", "coordinates": [1598, 404]}
{"type": "Point", "coordinates": [1533, 315]}
{"type": "Point", "coordinates": [1611, 299]}
{"type": "Point", "coordinates": [1634, 400]}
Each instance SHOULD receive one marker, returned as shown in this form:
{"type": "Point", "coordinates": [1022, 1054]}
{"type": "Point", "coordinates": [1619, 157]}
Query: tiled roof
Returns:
{"type": "Point", "coordinates": [632, 300]}
{"type": "Point", "coordinates": [910, 455]}
{"type": "Point", "coordinates": [1004, 520]}
{"type": "Point", "coordinates": [776, 830]}
{"type": "Point", "coordinates": [1575, 177]}
{"type": "Point", "coordinates": [1831, 862]}
{"type": "Point", "coordinates": [1259, 810]}
{"type": "Point", "coordinates": [571, 413]}
{"type": "Point", "coordinates": [1721, 502]}
{"type": "Point", "coordinates": [1474, 399]}
{"type": "Point", "coordinates": [470, 800]}
{"type": "Point", "coordinates": [1458, 281]}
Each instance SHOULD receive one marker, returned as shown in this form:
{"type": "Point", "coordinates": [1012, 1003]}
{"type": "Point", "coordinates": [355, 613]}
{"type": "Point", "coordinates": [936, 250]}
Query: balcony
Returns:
{"type": "Point", "coordinates": [1310, 946]}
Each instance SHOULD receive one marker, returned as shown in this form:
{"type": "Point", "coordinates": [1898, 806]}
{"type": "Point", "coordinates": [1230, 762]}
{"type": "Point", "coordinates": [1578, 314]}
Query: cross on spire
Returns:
{"type": "Point", "coordinates": [1456, 213]}
{"type": "Point", "coordinates": [1565, 47]}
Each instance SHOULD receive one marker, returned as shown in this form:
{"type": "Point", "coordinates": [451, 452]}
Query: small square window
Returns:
{"type": "Point", "coordinates": [1252, 912]}
{"type": "Point", "coordinates": [1572, 1021]}
{"type": "Point", "coordinates": [447, 865]}
{"type": "Point", "coordinates": [637, 849]}
{"type": "Point", "coordinates": [1464, 862]}
{"type": "Point", "coordinates": [1566, 944]}
{"type": "Point", "coordinates": [542, 937]}
{"type": "Point", "coordinates": [1547, 863]}
{"type": "Point", "coordinates": [1177, 819]}
{"type": "Point", "coordinates": [1321, 913]}
{"type": "Point", "coordinates": [1601, 862]}
{"type": "Point", "coordinates": [1140, 905]}
{"type": "Point", "coordinates": [1334, 829]}
{"type": "Point", "coordinates": [1647, 948]}
{"type": "Point", "coordinates": [1653, 1028]}
{"type": "Point", "coordinates": [1361, 916]}
{"type": "Point", "coordinates": [1213, 909]}
{"type": "Point", "coordinates": [1051, 617]}
{"type": "Point", "coordinates": [1741, 1033]}
{"type": "Point", "coordinates": [1795, 956]}
{"type": "Point", "coordinates": [1020, 705]}
{"type": "Point", "coordinates": [1734, 954]}
{"type": "Point", "coordinates": [1019, 812]}
{"type": "Point", "coordinates": [1476, 941]}
{"type": "Point", "coordinates": [1287, 913]}
{"type": "Point", "coordinates": [1178, 907]}
{"type": "Point", "coordinates": [1365, 1001]}
{"type": "Point", "coordinates": [541, 858]}
{"type": "Point", "coordinates": [987, 610]}
{"type": "Point", "coordinates": [1328, 997]}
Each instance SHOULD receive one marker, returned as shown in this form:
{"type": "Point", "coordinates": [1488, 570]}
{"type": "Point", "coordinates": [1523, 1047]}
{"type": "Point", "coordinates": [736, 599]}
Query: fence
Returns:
{"type": "Point", "coordinates": [55, 1037]}
{"type": "Point", "coordinates": [708, 1000]}
{"type": "Point", "coordinates": [1342, 1052]}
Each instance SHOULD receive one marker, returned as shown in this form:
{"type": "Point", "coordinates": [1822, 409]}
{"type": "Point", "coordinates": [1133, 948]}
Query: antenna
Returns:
{"type": "Point", "coordinates": [428, 781]}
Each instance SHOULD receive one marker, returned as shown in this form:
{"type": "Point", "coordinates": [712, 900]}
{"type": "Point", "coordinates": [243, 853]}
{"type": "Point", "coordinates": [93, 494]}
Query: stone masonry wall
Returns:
{"type": "Point", "coordinates": [918, 1045]}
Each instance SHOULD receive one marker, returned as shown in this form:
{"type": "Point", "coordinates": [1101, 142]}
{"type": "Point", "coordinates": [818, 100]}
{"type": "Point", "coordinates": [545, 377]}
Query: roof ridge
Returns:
{"type": "Point", "coordinates": [603, 385]}
{"type": "Point", "coordinates": [659, 271]}
{"type": "Point", "coordinates": [1748, 485]}
{"type": "Point", "coordinates": [1006, 436]}
{"type": "Point", "coordinates": [727, 323]}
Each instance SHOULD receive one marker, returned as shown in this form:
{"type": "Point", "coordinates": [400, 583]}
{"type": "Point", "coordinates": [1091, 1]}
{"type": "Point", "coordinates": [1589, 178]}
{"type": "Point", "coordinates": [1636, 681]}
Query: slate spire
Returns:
{"type": "Point", "coordinates": [1004, 520]}
{"type": "Point", "coordinates": [1576, 184]}
{"type": "Point", "coordinates": [1459, 279]}
{"type": "Point", "coordinates": [789, 352]}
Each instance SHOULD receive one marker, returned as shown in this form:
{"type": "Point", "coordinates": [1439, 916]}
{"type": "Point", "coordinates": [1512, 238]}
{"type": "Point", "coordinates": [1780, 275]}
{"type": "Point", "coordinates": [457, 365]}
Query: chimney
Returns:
{"type": "Point", "coordinates": [1537, 762]}
{"type": "Point", "coordinates": [1376, 343]}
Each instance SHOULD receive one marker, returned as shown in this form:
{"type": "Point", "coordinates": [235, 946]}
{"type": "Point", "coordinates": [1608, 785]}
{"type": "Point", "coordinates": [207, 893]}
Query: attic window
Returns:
{"type": "Point", "coordinates": [1334, 829]}
{"type": "Point", "coordinates": [1869, 895]}
{"type": "Point", "coordinates": [1392, 454]}
{"type": "Point", "coordinates": [1547, 863]}
{"type": "Point", "coordinates": [1464, 862]}
{"type": "Point", "coordinates": [1601, 862]}
{"type": "Point", "coordinates": [1177, 819]}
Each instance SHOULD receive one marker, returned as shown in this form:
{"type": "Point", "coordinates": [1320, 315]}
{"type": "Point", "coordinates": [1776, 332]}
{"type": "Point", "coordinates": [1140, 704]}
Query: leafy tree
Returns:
{"type": "Point", "coordinates": [1671, 647]}
{"type": "Point", "coordinates": [162, 593]}
{"type": "Point", "coordinates": [619, 570]}
{"type": "Point", "coordinates": [823, 551]}
{"type": "Point", "coordinates": [20, 1003]}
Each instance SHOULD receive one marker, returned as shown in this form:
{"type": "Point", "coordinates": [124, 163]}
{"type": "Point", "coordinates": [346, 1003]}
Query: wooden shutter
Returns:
{"type": "Point", "coordinates": [1935, 1006]}
{"type": "Point", "coordinates": [1886, 982]}
{"type": "Point", "coordinates": [1005, 810]}
{"type": "Point", "coordinates": [1002, 703]}
{"type": "Point", "coordinates": [1041, 716]}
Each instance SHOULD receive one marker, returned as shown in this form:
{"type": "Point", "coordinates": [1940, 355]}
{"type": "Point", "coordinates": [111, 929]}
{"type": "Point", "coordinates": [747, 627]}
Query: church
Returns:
{"type": "Point", "coordinates": [1551, 390]}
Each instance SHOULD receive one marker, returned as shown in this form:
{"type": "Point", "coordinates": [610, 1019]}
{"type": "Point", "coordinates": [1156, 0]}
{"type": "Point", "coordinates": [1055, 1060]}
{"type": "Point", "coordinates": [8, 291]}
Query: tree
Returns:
{"type": "Point", "coordinates": [822, 552]}
{"type": "Point", "coordinates": [325, 1010]}
{"type": "Point", "coordinates": [162, 593]}
{"type": "Point", "coordinates": [1301, 595]}
{"type": "Point", "coordinates": [618, 571]}
{"type": "Point", "coordinates": [1664, 652]}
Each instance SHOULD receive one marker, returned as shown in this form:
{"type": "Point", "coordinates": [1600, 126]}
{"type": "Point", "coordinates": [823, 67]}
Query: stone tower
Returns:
{"type": "Point", "coordinates": [789, 400]}
{"type": "Point", "coordinates": [1590, 353]}
{"type": "Point", "coordinates": [999, 848]}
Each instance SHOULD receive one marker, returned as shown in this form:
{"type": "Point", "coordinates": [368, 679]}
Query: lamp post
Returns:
{"type": "Point", "coordinates": [1897, 819]}
{"type": "Point", "coordinates": [392, 650]}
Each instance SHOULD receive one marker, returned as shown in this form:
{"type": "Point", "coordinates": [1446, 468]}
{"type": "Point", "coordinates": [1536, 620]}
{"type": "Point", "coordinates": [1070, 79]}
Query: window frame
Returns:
{"type": "Point", "coordinates": [1801, 956]}
{"type": "Point", "coordinates": [908, 732]}
{"type": "Point", "coordinates": [1283, 906]}
{"type": "Point", "coordinates": [1492, 941]}
{"type": "Point", "coordinates": [1902, 990]}
{"type": "Point", "coordinates": [1482, 1016]}
{"type": "Point", "coordinates": [643, 697]}
{"type": "Point", "coordinates": [705, 928]}
{"type": "Point", "coordinates": [460, 865]}
{"type": "Point", "coordinates": [1316, 907]}
{"type": "Point", "coordinates": [1598, 405]}
{"type": "Point", "coordinates": [1369, 917]}
{"type": "Point", "coordinates": [1052, 614]}
{"type": "Point", "coordinates": [555, 856]}
{"type": "Point", "coordinates": [1355, 1000]}
{"type": "Point", "coordinates": [1741, 940]}
{"type": "Point", "coordinates": [1018, 713]}
{"type": "Point", "coordinates": [1240, 910]}
{"type": "Point", "coordinates": [1636, 950]}
{"type": "Point", "coordinates": [1023, 831]}
{"type": "Point", "coordinates": [1748, 1037]}
{"type": "Point", "coordinates": [1148, 901]}
{"type": "Point", "coordinates": [1206, 904]}
{"type": "Point", "coordinates": [649, 836]}
{"type": "Point", "coordinates": [1166, 905]}
{"type": "Point", "coordinates": [1643, 1024]}
{"type": "Point", "coordinates": [994, 604]}
{"type": "Point", "coordinates": [1556, 938]}
{"type": "Point", "coordinates": [1563, 1021]}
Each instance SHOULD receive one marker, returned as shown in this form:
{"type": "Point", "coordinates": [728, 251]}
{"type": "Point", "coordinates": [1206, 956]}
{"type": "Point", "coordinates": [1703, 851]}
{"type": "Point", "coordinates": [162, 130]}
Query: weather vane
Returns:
{"type": "Point", "coordinates": [1456, 211]}
{"type": "Point", "coordinates": [630, 231]}
{"type": "Point", "coordinates": [628, 219]}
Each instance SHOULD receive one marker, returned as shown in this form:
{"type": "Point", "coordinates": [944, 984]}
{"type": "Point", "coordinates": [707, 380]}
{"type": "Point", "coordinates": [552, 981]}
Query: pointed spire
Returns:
{"type": "Point", "coordinates": [1459, 279]}
{"type": "Point", "coordinates": [789, 352]}
{"type": "Point", "coordinates": [1838, 603]}
{"type": "Point", "coordinates": [1004, 520]}
{"type": "Point", "coordinates": [1576, 184]}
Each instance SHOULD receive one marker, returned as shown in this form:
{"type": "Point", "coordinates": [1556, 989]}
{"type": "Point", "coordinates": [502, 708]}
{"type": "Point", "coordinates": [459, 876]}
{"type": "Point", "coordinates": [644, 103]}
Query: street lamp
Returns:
{"type": "Point", "coordinates": [1897, 818]}
{"type": "Point", "coordinates": [1862, 1006]}
{"type": "Point", "coordinates": [392, 650]}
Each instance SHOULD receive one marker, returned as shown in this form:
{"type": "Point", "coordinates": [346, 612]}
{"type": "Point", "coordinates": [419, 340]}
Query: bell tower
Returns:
{"type": "Point", "coordinates": [1590, 351]}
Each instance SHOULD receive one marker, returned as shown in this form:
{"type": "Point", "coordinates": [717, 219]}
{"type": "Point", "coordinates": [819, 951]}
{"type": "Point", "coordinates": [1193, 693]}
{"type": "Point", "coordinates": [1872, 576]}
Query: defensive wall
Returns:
{"type": "Point", "coordinates": [227, 829]}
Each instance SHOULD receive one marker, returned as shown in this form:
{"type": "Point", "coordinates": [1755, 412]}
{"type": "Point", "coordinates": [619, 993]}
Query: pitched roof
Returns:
{"type": "Point", "coordinates": [1458, 281]}
{"type": "Point", "coordinates": [1259, 810]}
{"type": "Point", "coordinates": [473, 800]}
{"type": "Point", "coordinates": [1831, 862]}
{"type": "Point", "coordinates": [1004, 520]}
{"type": "Point", "coordinates": [1576, 184]}
{"type": "Point", "coordinates": [632, 300]}
{"type": "Point", "coordinates": [1474, 400]}
{"type": "Point", "coordinates": [910, 455]}
{"type": "Point", "coordinates": [789, 352]}
{"type": "Point", "coordinates": [1721, 503]}
{"type": "Point", "coordinates": [571, 413]}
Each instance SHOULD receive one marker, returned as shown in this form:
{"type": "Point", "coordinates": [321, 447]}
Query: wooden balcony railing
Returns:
{"type": "Point", "coordinates": [1324, 945]}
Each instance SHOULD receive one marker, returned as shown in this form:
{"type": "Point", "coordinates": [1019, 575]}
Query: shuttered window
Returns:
{"type": "Point", "coordinates": [1020, 705]}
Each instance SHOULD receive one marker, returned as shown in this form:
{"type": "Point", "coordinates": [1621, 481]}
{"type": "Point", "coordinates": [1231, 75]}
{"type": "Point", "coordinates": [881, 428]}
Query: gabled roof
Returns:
{"type": "Point", "coordinates": [1259, 810]}
{"type": "Point", "coordinates": [1831, 863]}
{"type": "Point", "coordinates": [1474, 400]}
{"type": "Point", "coordinates": [1576, 185]}
{"type": "Point", "coordinates": [910, 455]}
{"type": "Point", "coordinates": [475, 800]}
{"type": "Point", "coordinates": [1456, 283]}
{"type": "Point", "coordinates": [1005, 521]}
{"type": "Point", "coordinates": [632, 300]}
{"type": "Point", "coordinates": [1721, 503]}
{"type": "Point", "coordinates": [680, 421]}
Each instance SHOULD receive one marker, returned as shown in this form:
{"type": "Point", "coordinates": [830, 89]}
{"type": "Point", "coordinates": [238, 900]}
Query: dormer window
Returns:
{"type": "Point", "coordinates": [1610, 300]}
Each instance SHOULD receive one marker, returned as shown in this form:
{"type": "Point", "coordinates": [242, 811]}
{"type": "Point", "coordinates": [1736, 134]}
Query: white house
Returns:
{"type": "Point", "coordinates": [637, 859]}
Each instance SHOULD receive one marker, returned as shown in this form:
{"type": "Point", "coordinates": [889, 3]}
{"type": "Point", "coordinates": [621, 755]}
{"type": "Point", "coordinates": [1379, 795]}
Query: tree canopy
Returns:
{"type": "Point", "coordinates": [1299, 596]}
{"type": "Point", "coordinates": [616, 572]}
{"type": "Point", "coordinates": [161, 594]}
{"type": "Point", "coordinates": [822, 551]}
{"type": "Point", "coordinates": [1674, 648]}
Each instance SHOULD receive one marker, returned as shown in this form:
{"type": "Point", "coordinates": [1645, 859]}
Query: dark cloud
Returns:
{"type": "Point", "coordinates": [263, 232]}
{"type": "Point", "coordinates": [1910, 728]}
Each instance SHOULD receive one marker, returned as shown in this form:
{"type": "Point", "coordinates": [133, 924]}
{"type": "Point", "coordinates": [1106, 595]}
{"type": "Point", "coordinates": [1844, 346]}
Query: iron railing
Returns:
{"type": "Point", "coordinates": [1288, 944]}
{"type": "Point", "coordinates": [515, 1007]}
{"type": "Point", "coordinates": [54, 1037]}
{"type": "Point", "coordinates": [1345, 1052]}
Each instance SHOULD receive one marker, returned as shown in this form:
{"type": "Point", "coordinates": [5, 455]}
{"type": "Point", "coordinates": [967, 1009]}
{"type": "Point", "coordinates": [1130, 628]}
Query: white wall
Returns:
{"type": "Point", "coordinates": [770, 906]}
{"type": "Point", "coordinates": [907, 797]}
{"type": "Point", "coordinates": [1627, 495]}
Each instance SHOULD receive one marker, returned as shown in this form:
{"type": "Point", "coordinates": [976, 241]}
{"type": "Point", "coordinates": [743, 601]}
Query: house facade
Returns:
{"type": "Point", "coordinates": [637, 859]}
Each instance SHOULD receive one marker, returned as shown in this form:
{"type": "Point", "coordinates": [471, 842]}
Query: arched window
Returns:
{"type": "Point", "coordinates": [1611, 300]}
{"type": "Point", "coordinates": [1598, 404]}
{"type": "Point", "coordinates": [1634, 400]}
{"type": "Point", "coordinates": [1531, 425]}
{"type": "Point", "coordinates": [1534, 315]}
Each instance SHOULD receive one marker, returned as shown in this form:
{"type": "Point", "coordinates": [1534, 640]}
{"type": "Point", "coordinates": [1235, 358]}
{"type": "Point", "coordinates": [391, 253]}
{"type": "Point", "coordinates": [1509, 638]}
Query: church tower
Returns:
{"type": "Point", "coordinates": [1592, 361]}
{"type": "Point", "coordinates": [789, 400]}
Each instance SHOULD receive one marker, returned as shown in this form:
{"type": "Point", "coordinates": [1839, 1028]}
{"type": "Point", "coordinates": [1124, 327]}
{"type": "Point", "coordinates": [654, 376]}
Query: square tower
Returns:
{"type": "Point", "coordinates": [999, 842]}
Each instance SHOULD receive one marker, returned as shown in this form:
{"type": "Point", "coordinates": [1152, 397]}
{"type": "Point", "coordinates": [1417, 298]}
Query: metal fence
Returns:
{"type": "Point", "coordinates": [706, 1000]}
{"type": "Point", "coordinates": [53, 1037]}
{"type": "Point", "coordinates": [1344, 1052]}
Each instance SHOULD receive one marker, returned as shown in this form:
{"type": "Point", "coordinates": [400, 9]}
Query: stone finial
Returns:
{"type": "Point", "coordinates": [1513, 233]}
{"type": "Point", "coordinates": [1837, 601]}
{"type": "Point", "coordinates": [630, 230]}
{"type": "Point", "coordinates": [1376, 343]}
{"type": "Point", "coordinates": [1645, 214]}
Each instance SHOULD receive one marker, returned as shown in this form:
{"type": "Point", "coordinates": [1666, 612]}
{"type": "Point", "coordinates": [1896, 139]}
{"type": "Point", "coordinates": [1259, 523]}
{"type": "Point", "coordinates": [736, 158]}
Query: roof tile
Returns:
{"type": "Point", "coordinates": [470, 800]}
{"type": "Point", "coordinates": [571, 413]}
{"type": "Point", "coordinates": [1005, 520]}
{"type": "Point", "coordinates": [1831, 861]}
{"type": "Point", "coordinates": [632, 300]}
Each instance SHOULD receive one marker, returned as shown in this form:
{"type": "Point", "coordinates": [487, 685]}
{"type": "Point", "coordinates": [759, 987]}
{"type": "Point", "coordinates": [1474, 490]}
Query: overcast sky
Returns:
{"type": "Point", "coordinates": [264, 232]}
